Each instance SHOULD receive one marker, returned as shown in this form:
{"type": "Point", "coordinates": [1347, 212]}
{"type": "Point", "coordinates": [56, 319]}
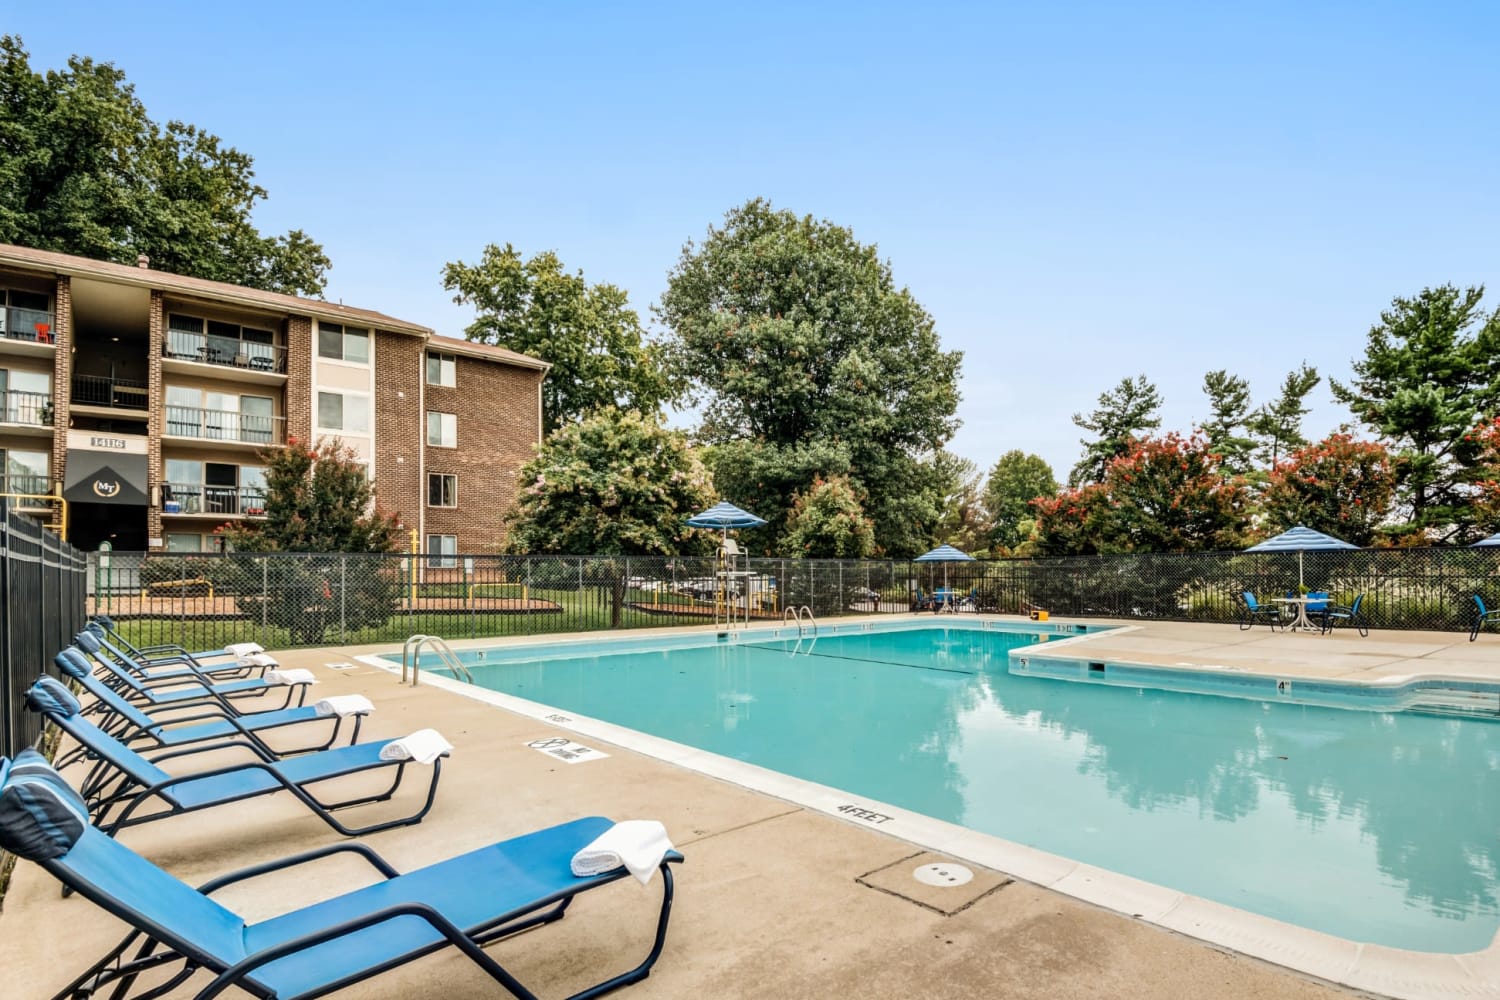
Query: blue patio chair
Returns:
{"type": "Point", "coordinates": [183, 690]}
{"type": "Point", "coordinates": [1317, 602]}
{"type": "Point", "coordinates": [130, 724]}
{"type": "Point", "coordinates": [1252, 611]}
{"type": "Point", "coordinates": [465, 902]}
{"type": "Point", "coordinates": [1335, 613]}
{"type": "Point", "coordinates": [123, 781]}
{"type": "Point", "coordinates": [152, 657]}
{"type": "Point", "coordinates": [1483, 618]}
{"type": "Point", "coordinates": [175, 670]}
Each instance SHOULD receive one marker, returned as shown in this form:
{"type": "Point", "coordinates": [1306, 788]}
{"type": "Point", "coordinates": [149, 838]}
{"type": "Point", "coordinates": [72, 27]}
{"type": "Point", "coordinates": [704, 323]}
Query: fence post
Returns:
{"type": "Point", "coordinates": [343, 596]}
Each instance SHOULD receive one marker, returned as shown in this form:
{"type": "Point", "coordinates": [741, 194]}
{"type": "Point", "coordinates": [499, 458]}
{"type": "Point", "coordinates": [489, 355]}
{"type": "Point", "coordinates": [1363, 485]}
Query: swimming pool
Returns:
{"type": "Point", "coordinates": [1373, 826]}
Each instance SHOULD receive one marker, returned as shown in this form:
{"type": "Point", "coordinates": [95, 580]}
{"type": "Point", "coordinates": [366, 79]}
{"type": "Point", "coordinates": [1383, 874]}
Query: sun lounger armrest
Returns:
{"type": "Point", "coordinates": [242, 969]}
{"type": "Point", "coordinates": [260, 751]}
{"type": "Point", "coordinates": [253, 871]}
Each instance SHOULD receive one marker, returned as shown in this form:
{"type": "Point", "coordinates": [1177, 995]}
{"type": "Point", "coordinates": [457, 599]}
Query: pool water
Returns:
{"type": "Point", "coordinates": [1373, 826]}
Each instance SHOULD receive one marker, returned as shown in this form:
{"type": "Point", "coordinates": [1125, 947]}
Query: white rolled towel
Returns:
{"type": "Point", "coordinates": [638, 844]}
{"type": "Point", "coordinates": [290, 677]}
{"type": "Point", "coordinates": [258, 660]}
{"type": "Point", "coordinates": [344, 704]}
{"type": "Point", "coordinates": [423, 746]}
{"type": "Point", "coordinates": [244, 648]}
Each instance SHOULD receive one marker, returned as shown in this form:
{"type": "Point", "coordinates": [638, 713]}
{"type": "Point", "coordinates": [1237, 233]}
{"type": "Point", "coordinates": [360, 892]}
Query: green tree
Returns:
{"type": "Point", "coordinates": [1015, 481]}
{"type": "Point", "coordinates": [1229, 409]}
{"type": "Point", "coordinates": [84, 170]}
{"type": "Point", "coordinates": [1278, 425]}
{"type": "Point", "coordinates": [964, 523]}
{"type": "Point", "coordinates": [588, 333]}
{"type": "Point", "coordinates": [808, 360]}
{"type": "Point", "coordinates": [1123, 413]}
{"type": "Point", "coordinates": [611, 484]}
{"type": "Point", "coordinates": [827, 521]}
{"type": "Point", "coordinates": [1339, 486]}
{"type": "Point", "coordinates": [318, 501]}
{"type": "Point", "coordinates": [1430, 374]}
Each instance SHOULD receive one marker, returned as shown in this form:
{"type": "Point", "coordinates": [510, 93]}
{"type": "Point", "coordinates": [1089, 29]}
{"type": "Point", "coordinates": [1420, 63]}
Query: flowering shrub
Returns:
{"type": "Point", "coordinates": [1339, 486]}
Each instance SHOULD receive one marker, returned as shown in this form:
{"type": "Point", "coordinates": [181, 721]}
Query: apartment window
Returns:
{"type": "Point", "coordinates": [26, 397]}
{"type": "Point", "coordinates": [25, 471]}
{"type": "Point", "coordinates": [339, 411]}
{"type": "Point", "coordinates": [442, 551]}
{"type": "Point", "coordinates": [180, 542]}
{"type": "Point", "coordinates": [442, 430]}
{"type": "Point", "coordinates": [343, 343]}
{"type": "Point", "coordinates": [442, 369]}
{"type": "Point", "coordinates": [442, 490]}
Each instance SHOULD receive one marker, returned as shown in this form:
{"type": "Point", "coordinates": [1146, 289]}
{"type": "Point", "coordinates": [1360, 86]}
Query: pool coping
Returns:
{"type": "Point", "coordinates": [1395, 972]}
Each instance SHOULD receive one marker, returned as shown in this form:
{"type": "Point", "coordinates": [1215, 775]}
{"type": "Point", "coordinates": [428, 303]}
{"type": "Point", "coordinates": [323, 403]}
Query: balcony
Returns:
{"type": "Point", "coordinates": [25, 482]}
{"type": "Point", "coordinates": [34, 325]}
{"type": "Point", "coordinates": [221, 501]}
{"type": "Point", "coordinates": [28, 409]}
{"type": "Point", "coordinates": [225, 426]}
{"type": "Point", "coordinates": [115, 393]}
{"type": "Point", "coordinates": [225, 352]}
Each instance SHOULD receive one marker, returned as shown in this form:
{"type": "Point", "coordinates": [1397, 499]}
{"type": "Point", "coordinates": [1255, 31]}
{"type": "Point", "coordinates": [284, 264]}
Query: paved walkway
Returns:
{"type": "Point", "coordinates": [775, 900]}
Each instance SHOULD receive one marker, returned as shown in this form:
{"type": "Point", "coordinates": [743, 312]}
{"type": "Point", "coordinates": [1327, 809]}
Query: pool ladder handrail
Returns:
{"type": "Point", "coordinates": [797, 614]}
{"type": "Point", "coordinates": [411, 652]}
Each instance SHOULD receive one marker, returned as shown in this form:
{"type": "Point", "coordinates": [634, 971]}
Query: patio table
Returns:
{"type": "Point", "coordinates": [1300, 623]}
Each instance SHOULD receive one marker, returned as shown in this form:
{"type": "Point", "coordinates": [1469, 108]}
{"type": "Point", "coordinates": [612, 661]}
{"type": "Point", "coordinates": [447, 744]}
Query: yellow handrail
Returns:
{"type": "Point", "coordinates": [50, 498]}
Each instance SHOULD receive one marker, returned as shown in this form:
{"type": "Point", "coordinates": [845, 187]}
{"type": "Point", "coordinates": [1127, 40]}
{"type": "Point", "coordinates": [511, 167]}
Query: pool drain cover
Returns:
{"type": "Point", "coordinates": [943, 874]}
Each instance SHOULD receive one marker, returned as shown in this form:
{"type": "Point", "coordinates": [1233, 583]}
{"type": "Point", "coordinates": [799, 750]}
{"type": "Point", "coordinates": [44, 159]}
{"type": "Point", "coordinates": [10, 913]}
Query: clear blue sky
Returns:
{"type": "Point", "coordinates": [1076, 192]}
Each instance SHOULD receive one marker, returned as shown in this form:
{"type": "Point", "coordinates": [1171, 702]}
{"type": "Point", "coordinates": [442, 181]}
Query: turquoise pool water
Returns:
{"type": "Point", "coordinates": [1374, 826]}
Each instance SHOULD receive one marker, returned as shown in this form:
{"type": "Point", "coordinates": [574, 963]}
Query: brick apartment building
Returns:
{"type": "Point", "coordinates": [144, 399]}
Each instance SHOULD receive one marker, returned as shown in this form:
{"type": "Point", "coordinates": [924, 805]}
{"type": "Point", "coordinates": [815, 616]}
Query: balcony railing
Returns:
{"type": "Point", "coordinates": [120, 393]}
{"type": "Point", "coordinates": [195, 498]}
{"type": "Point", "coordinates": [25, 482]}
{"type": "Point", "coordinates": [226, 351]}
{"type": "Point", "coordinates": [27, 324]}
{"type": "Point", "coordinates": [224, 425]}
{"type": "Point", "coordinates": [34, 408]}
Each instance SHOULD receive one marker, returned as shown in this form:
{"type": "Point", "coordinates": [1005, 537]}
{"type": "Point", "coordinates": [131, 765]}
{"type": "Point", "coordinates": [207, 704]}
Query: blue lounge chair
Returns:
{"type": "Point", "coordinates": [153, 655]}
{"type": "Point", "coordinates": [177, 670]}
{"type": "Point", "coordinates": [464, 902]}
{"type": "Point", "coordinates": [1253, 611]}
{"type": "Point", "coordinates": [1483, 618]}
{"type": "Point", "coordinates": [1335, 613]}
{"type": "Point", "coordinates": [210, 721]}
{"type": "Point", "coordinates": [123, 781]}
{"type": "Point", "coordinates": [183, 690]}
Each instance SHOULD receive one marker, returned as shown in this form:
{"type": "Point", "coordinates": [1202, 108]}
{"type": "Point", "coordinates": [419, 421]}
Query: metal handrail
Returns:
{"type": "Point", "coordinates": [807, 612]}
{"type": "Point", "coordinates": [411, 651]}
{"type": "Point", "coordinates": [794, 614]}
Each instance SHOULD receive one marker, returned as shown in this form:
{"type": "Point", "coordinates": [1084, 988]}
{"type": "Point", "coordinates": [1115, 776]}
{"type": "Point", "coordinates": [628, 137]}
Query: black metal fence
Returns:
{"type": "Point", "coordinates": [42, 596]}
{"type": "Point", "coordinates": [314, 599]}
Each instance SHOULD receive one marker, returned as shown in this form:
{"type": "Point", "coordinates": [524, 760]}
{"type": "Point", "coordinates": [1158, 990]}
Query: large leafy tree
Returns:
{"type": "Point", "coordinates": [593, 339]}
{"type": "Point", "coordinates": [964, 523]}
{"type": "Point", "coordinates": [1124, 413]}
{"type": "Point", "coordinates": [84, 170]}
{"type": "Point", "coordinates": [1229, 409]}
{"type": "Point", "coordinates": [611, 484]}
{"type": "Point", "coordinates": [808, 360]}
{"type": "Point", "coordinates": [1015, 481]}
{"type": "Point", "coordinates": [318, 502]}
{"type": "Point", "coordinates": [1338, 486]}
{"type": "Point", "coordinates": [1167, 494]}
{"type": "Point", "coordinates": [827, 521]}
{"type": "Point", "coordinates": [1277, 426]}
{"type": "Point", "coordinates": [1430, 374]}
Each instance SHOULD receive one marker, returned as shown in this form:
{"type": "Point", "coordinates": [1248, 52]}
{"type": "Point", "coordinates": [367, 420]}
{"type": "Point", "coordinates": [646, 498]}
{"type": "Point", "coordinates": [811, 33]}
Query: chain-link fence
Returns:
{"type": "Point", "coordinates": [41, 607]}
{"type": "Point", "coordinates": [313, 599]}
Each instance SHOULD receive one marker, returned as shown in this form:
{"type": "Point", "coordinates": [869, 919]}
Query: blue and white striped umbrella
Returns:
{"type": "Point", "coordinates": [944, 553]}
{"type": "Point", "coordinates": [1300, 540]}
{"type": "Point", "coordinates": [725, 515]}
{"type": "Point", "coordinates": [1487, 542]}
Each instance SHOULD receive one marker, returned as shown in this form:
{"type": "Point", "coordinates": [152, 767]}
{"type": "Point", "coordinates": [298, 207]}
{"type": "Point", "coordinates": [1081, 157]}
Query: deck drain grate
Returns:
{"type": "Point", "coordinates": [943, 875]}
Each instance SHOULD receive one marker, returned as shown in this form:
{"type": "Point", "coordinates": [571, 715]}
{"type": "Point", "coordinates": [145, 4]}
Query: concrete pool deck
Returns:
{"type": "Point", "coordinates": [776, 898]}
